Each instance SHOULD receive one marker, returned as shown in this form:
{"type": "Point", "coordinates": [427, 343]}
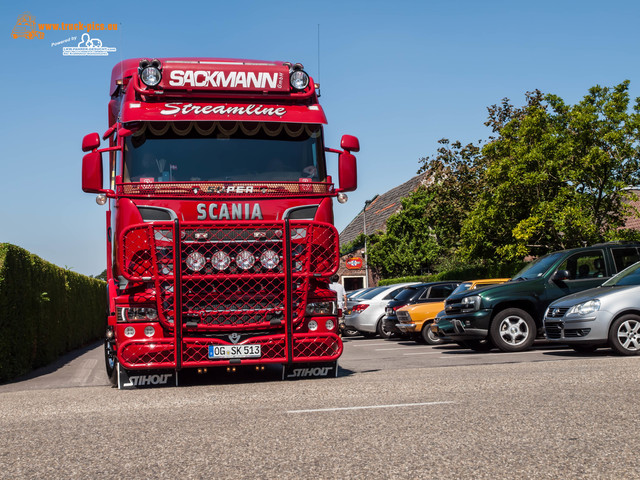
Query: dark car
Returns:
{"type": "Point", "coordinates": [509, 316]}
{"type": "Point", "coordinates": [421, 293]}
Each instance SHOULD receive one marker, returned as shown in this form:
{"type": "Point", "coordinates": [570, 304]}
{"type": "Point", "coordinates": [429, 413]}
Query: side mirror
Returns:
{"type": "Point", "coordinates": [90, 142]}
{"type": "Point", "coordinates": [348, 172]}
{"type": "Point", "coordinates": [350, 143]}
{"type": "Point", "coordinates": [92, 173]}
{"type": "Point", "coordinates": [560, 276]}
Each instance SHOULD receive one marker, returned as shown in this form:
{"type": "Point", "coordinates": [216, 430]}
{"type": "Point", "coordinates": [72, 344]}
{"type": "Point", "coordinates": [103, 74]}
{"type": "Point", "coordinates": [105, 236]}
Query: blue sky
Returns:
{"type": "Point", "coordinates": [400, 75]}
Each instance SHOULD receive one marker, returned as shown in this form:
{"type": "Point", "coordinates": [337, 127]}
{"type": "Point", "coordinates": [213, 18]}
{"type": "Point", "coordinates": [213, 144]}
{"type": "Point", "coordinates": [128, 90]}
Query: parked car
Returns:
{"type": "Point", "coordinates": [429, 293]}
{"type": "Point", "coordinates": [353, 298]}
{"type": "Point", "coordinates": [366, 316]}
{"type": "Point", "coordinates": [608, 315]}
{"type": "Point", "coordinates": [415, 320]}
{"type": "Point", "coordinates": [509, 316]}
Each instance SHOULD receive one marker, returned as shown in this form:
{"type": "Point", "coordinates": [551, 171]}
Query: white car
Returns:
{"type": "Point", "coordinates": [367, 315]}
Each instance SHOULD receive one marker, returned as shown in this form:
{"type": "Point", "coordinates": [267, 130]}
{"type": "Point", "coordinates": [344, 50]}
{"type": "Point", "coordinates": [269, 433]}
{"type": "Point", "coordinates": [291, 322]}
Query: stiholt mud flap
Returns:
{"type": "Point", "coordinates": [298, 371]}
{"type": "Point", "coordinates": [131, 379]}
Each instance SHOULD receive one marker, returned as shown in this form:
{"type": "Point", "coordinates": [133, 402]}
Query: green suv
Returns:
{"type": "Point", "coordinates": [509, 316]}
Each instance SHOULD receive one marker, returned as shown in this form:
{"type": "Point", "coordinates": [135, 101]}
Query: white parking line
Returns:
{"type": "Point", "coordinates": [422, 353]}
{"type": "Point", "coordinates": [399, 347]}
{"type": "Point", "coordinates": [398, 405]}
{"type": "Point", "coordinates": [367, 344]}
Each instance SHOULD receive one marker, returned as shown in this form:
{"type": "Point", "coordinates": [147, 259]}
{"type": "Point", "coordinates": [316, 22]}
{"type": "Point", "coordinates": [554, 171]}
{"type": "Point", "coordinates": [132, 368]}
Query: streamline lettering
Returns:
{"type": "Point", "coordinates": [202, 78]}
{"type": "Point", "coordinates": [175, 108]}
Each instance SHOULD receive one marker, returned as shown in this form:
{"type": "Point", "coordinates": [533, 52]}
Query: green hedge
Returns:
{"type": "Point", "coordinates": [471, 272]}
{"type": "Point", "coordinates": [45, 311]}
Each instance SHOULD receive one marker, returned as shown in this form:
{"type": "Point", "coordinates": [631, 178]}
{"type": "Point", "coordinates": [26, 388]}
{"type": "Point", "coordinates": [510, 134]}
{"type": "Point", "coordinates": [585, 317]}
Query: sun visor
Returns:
{"type": "Point", "coordinates": [221, 112]}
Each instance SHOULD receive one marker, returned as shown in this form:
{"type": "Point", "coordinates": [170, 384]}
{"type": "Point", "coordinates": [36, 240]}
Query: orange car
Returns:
{"type": "Point", "coordinates": [412, 318]}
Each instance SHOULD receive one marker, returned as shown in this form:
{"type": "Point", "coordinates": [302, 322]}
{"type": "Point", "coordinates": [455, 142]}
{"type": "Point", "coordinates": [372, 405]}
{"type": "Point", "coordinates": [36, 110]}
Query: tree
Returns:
{"type": "Point", "coordinates": [556, 175]}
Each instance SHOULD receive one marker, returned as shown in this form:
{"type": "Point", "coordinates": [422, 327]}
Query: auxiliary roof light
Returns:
{"type": "Point", "coordinates": [150, 72]}
{"type": "Point", "coordinates": [299, 79]}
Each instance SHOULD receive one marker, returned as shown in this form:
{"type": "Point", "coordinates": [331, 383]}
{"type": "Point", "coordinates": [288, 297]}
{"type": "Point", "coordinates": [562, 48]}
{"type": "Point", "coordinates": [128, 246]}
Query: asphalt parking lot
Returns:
{"type": "Point", "coordinates": [397, 410]}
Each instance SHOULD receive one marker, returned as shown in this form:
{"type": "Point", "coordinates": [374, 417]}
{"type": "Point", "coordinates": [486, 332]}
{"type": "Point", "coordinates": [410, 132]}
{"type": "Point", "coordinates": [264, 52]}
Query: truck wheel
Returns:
{"type": "Point", "coordinates": [111, 364]}
{"type": "Point", "coordinates": [382, 330]}
{"type": "Point", "coordinates": [513, 330]}
{"type": "Point", "coordinates": [428, 336]}
{"type": "Point", "coordinates": [477, 345]}
{"type": "Point", "coordinates": [624, 335]}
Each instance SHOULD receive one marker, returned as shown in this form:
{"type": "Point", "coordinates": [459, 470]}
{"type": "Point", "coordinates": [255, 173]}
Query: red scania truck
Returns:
{"type": "Point", "coordinates": [220, 236]}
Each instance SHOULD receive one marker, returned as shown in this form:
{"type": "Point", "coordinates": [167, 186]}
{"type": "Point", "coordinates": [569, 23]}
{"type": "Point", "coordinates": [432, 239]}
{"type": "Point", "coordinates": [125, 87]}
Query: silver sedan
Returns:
{"type": "Point", "coordinates": [608, 315]}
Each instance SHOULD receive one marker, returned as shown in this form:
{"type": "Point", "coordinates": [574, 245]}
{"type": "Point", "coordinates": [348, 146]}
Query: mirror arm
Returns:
{"type": "Point", "coordinates": [110, 131]}
{"type": "Point", "coordinates": [332, 150]}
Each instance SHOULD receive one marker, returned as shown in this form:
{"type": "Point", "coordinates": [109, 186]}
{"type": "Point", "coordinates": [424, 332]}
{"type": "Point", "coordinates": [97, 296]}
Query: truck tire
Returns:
{"type": "Point", "coordinates": [624, 335]}
{"type": "Point", "coordinates": [512, 330]}
{"type": "Point", "coordinates": [428, 337]}
{"type": "Point", "coordinates": [111, 364]}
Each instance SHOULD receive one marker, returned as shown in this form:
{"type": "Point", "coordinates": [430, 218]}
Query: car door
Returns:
{"type": "Point", "coordinates": [586, 269]}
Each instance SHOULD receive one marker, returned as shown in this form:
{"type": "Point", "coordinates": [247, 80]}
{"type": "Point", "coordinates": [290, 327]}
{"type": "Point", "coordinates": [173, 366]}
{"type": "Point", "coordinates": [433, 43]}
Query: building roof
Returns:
{"type": "Point", "coordinates": [633, 221]}
{"type": "Point", "coordinates": [380, 209]}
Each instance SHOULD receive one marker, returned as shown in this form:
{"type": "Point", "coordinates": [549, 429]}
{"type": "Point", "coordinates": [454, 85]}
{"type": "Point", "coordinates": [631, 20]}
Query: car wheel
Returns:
{"type": "Point", "coordinates": [477, 345]}
{"type": "Point", "coordinates": [513, 330]}
{"type": "Point", "coordinates": [584, 348]}
{"type": "Point", "coordinates": [111, 363]}
{"type": "Point", "coordinates": [624, 335]}
{"type": "Point", "coordinates": [382, 330]}
{"type": "Point", "coordinates": [428, 336]}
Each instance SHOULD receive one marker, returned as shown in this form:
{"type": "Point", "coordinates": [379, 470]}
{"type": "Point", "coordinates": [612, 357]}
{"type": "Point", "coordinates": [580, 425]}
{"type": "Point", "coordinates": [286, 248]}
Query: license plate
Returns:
{"type": "Point", "coordinates": [234, 351]}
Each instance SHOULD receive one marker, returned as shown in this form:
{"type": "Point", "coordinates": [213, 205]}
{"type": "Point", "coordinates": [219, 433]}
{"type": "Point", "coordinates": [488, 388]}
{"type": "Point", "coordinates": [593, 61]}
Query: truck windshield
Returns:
{"type": "Point", "coordinates": [224, 151]}
{"type": "Point", "coordinates": [539, 267]}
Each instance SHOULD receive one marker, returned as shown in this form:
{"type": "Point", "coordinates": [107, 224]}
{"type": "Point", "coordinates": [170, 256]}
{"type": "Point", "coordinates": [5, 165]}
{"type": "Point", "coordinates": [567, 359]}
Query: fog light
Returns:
{"type": "Point", "coordinates": [101, 199]}
{"type": "Point", "coordinates": [269, 259]}
{"type": "Point", "coordinates": [245, 260]}
{"type": "Point", "coordinates": [149, 331]}
{"type": "Point", "coordinates": [329, 324]}
{"type": "Point", "coordinates": [195, 261]}
{"type": "Point", "coordinates": [220, 260]}
{"type": "Point", "coordinates": [313, 325]}
{"type": "Point", "coordinates": [342, 198]}
{"type": "Point", "coordinates": [129, 332]}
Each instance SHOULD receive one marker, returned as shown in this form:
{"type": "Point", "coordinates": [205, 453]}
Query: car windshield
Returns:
{"type": "Point", "coordinates": [539, 267]}
{"type": "Point", "coordinates": [372, 293]}
{"type": "Point", "coordinates": [629, 276]}
{"type": "Point", "coordinates": [223, 151]}
{"type": "Point", "coordinates": [463, 287]}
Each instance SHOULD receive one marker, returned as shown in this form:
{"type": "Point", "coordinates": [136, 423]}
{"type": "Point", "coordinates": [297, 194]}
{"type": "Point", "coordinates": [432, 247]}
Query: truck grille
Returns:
{"type": "Point", "coordinates": [218, 294]}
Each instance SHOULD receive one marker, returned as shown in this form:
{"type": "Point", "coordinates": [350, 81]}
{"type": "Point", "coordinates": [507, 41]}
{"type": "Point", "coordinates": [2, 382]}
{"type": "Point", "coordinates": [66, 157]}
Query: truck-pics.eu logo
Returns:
{"type": "Point", "coordinates": [26, 27]}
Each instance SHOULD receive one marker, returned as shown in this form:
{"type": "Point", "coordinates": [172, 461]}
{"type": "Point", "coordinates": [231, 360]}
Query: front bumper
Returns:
{"type": "Point", "coordinates": [391, 325]}
{"type": "Point", "coordinates": [592, 329]}
{"type": "Point", "coordinates": [154, 353]}
{"type": "Point", "coordinates": [463, 326]}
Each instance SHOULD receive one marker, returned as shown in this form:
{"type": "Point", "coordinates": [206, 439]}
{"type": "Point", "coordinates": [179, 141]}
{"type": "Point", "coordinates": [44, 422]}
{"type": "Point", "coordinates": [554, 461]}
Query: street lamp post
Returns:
{"type": "Point", "coordinates": [366, 262]}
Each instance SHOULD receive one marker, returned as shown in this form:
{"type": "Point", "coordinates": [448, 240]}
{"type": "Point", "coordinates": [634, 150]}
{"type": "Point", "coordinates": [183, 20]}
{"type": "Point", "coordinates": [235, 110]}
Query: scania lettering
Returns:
{"type": "Point", "coordinates": [220, 236]}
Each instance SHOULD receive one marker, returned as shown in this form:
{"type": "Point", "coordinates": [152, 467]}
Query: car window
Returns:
{"type": "Point", "coordinates": [630, 276]}
{"type": "Point", "coordinates": [392, 293]}
{"type": "Point", "coordinates": [406, 294]}
{"type": "Point", "coordinates": [585, 265]}
{"type": "Point", "coordinates": [441, 291]}
{"type": "Point", "coordinates": [462, 287]}
{"type": "Point", "coordinates": [623, 257]}
{"type": "Point", "coordinates": [372, 293]}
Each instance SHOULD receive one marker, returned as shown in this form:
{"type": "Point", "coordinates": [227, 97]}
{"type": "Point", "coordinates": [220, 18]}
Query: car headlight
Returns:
{"type": "Point", "coordinates": [585, 308]}
{"type": "Point", "coordinates": [321, 308]}
{"type": "Point", "coordinates": [471, 303]}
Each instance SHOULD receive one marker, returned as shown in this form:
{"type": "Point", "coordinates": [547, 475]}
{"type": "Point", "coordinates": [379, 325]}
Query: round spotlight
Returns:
{"type": "Point", "coordinates": [313, 325]}
{"type": "Point", "coordinates": [220, 260]}
{"type": "Point", "coordinates": [152, 314]}
{"type": "Point", "coordinates": [150, 76]}
{"type": "Point", "coordinates": [342, 198]}
{"type": "Point", "coordinates": [299, 79]}
{"type": "Point", "coordinates": [149, 331]}
{"type": "Point", "coordinates": [195, 261]}
{"type": "Point", "coordinates": [129, 332]}
{"type": "Point", "coordinates": [101, 199]}
{"type": "Point", "coordinates": [329, 324]}
{"type": "Point", "coordinates": [245, 260]}
{"type": "Point", "coordinates": [269, 259]}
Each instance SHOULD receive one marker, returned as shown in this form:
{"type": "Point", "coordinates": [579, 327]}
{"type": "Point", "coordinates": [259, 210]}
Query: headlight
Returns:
{"type": "Point", "coordinates": [245, 260]}
{"type": "Point", "coordinates": [471, 303]}
{"type": "Point", "coordinates": [195, 261]}
{"type": "Point", "coordinates": [138, 314]}
{"type": "Point", "coordinates": [269, 259]}
{"type": "Point", "coordinates": [299, 79]}
{"type": "Point", "coordinates": [220, 260]}
{"type": "Point", "coordinates": [585, 308]}
{"type": "Point", "coordinates": [322, 308]}
{"type": "Point", "coordinates": [151, 76]}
